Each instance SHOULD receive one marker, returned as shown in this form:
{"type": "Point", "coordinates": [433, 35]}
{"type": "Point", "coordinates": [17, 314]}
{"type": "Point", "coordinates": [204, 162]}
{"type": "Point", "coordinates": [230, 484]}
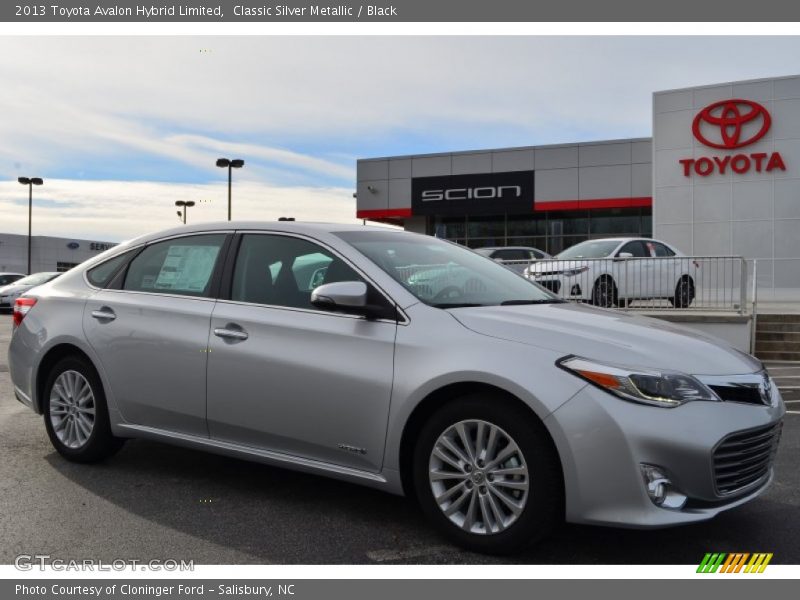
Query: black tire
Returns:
{"type": "Point", "coordinates": [543, 508]}
{"type": "Point", "coordinates": [684, 293]}
{"type": "Point", "coordinates": [604, 292]}
{"type": "Point", "coordinates": [100, 443]}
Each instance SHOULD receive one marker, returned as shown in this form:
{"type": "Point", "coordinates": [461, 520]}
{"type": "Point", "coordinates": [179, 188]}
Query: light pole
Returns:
{"type": "Point", "coordinates": [185, 206]}
{"type": "Point", "coordinates": [30, 182]}
{"type": "Point", "coordinates": [236, 163]}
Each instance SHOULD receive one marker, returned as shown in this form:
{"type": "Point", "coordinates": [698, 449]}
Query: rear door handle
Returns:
{"type": "Point", "coordinates": [104, 314]}
{"type": "Point", "coordinates": [233, 334]}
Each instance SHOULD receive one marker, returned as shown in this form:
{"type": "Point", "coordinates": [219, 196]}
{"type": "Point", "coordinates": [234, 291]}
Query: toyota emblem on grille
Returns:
{"type": "Point", "coordinates": [722, 124]}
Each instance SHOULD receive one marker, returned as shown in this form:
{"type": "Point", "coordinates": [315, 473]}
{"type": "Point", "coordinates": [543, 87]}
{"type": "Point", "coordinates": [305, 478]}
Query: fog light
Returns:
{"type": "Point", "coordinates": [576, 290]}
{"type": "Point", "coordinates": [661, 490]}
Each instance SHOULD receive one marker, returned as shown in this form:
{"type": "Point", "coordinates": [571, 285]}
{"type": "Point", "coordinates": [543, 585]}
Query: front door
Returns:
{"type": "Point", "coordinates": [286, 377]}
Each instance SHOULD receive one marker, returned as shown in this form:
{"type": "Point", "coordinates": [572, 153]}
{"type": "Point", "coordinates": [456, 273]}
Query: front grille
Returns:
{"type": "Point", "coordinates": [744, 458]}
{"type": "Point", "coordinates": [553, 286]}
{"type": "Point", "coordinates": [740, 393]}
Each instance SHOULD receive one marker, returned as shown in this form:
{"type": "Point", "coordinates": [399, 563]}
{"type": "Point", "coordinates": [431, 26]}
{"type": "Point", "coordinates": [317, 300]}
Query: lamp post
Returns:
{"type": "Point", "coordinates": [236, 163]}
{"type": "Point", "coordinates": [185, 206]}
{"type": "Point", "coordinates": [30, 182]}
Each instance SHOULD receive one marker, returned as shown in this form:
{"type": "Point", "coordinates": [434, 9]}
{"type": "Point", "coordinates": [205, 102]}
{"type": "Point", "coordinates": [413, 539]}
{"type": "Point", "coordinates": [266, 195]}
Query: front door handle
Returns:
{"type": "Point", "coordinates": [233, 334]}
{"type": "Point", "coordinates": [104, 314]}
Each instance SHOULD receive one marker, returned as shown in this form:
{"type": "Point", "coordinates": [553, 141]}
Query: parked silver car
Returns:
{"type": "Point", "coordinates": [13, 290]}
{"type": "Point", "coordinates": [516, 258]}
{"type": "Point", "coordinates": [499, 407]}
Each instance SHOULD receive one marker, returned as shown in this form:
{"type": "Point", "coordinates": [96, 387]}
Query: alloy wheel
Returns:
{"type": "Point", "coordinates": [72, 409]}
{"type": "Point", "coordinates": [478, 477]}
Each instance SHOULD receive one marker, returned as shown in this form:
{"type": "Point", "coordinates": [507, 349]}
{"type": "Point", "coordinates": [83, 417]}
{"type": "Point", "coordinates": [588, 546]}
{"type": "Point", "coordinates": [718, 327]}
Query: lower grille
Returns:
{"type": "Point", "coordinates": [744, 458]}
{"type": "Point", "coordinates": [553, 286]}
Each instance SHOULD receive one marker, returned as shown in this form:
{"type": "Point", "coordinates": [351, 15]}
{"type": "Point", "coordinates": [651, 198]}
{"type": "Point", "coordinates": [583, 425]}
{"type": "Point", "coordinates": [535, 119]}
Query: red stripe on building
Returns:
{"type": "Point", "coordinates": [640, 202]}
{"type": "Point", "coordinates": [383, 213]}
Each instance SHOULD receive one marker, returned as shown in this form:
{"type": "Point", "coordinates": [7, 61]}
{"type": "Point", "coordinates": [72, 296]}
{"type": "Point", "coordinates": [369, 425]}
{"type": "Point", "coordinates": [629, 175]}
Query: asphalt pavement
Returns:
{"type": "Point", "coordinates": [154, 501]}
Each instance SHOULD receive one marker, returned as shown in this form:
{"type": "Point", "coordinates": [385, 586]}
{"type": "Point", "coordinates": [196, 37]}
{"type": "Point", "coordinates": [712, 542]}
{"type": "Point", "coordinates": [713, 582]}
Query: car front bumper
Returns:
{"type": "Point", "coordinates": [567, 287]}
{"type": "Point", "coordinates": [603, 441]}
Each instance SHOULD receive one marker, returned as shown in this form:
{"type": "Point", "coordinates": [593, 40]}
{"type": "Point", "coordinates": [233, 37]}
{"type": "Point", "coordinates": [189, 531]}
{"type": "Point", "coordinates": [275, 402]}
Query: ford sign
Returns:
{"type": "Point", "coordinates": [73, 245]}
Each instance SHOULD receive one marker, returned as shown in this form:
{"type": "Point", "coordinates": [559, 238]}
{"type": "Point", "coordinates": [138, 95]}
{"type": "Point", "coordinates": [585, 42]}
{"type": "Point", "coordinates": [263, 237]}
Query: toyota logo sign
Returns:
{"type": "Point", "coordinates": [727, 119]}
{"type": "Point", "coordinates": [728, 125]}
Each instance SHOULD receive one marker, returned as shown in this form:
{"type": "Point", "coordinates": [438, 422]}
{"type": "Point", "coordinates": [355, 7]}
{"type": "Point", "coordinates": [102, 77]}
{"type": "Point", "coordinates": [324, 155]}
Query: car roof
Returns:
{"type": "Point", "coordinates": [279, 226]}
{"type": "Point", "coordinates": [11, 273]}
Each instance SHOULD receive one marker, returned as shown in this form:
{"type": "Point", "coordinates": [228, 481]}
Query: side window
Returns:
{"type": "Point", "coordinates": [100, 276]}
{"type": "Point", "coordinates": [661, 249]}
{"type": "Point", "coordinates": [636, 248]}
{"type": "Point", "coordinates": [513, 254]}
{"type": "Point", "coordinates": [537, 255]}
{"type": "Point", "coordinates": [283, 270]}
{"type": "Point", "coordinates": [178, 266]}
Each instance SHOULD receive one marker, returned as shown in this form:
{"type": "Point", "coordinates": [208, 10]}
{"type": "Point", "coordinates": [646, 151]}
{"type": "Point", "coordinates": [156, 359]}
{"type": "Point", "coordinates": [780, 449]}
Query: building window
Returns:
{"type": "Point", "coordinates": [551, 231]}
{"type": "Point", "coordinates": [61, 267]}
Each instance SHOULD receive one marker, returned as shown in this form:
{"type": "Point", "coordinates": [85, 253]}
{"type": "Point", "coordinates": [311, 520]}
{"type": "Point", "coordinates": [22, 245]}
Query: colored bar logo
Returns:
{"type": "Point", "coordinates": [736, 562]}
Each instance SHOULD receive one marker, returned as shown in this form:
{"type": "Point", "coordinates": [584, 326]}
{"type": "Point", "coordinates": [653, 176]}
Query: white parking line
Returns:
{"type": "Point", "coordinates": [793, 412]}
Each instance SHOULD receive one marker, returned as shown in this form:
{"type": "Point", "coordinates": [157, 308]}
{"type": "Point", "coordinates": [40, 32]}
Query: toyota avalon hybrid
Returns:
{"type": "Point", "coordinates": [496, 405]}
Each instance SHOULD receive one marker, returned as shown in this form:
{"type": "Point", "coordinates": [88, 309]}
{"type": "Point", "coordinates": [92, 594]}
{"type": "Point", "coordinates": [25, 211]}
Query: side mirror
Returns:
{"type": "Point", "coordinates": [343, 296]}
{"type": "Point", "coordinates": [623, 255]}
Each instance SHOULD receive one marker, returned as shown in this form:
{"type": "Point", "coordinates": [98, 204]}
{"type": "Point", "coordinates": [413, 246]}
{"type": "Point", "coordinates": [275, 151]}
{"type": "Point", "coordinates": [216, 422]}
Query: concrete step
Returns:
{"type": "Point", "coordinates": [789, 394]}
{"type": "Point", "coordinates": [776, 318]}
{"type": "Point", "coordinates": [770, 335]}
{"type": "Point", "coordinates": [779, 327]}
{"type": "Point", "coordinates": [790, 348]}
{"type": "Point", "coordinates": [767, 355]}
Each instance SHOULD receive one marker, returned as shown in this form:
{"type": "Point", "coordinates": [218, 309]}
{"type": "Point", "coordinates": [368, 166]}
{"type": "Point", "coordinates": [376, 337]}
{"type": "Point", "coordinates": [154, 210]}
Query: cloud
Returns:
{"type": "Point", "coordinates": [117, 210]}
{"type": "Point", "coordinates": [100, 116]}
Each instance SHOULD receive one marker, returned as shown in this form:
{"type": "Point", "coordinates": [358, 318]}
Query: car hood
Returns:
{"type": "Point", "coordinates": [609, 336]}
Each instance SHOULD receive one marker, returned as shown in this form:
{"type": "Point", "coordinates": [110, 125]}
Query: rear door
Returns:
{"type": "Point", "coordinates": [287, 377]}
{"type": "Point", "coordinates": [151, 335]}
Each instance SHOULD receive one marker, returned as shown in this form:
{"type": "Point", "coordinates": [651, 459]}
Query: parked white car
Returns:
{"type": "Point", "coordinates": [618, 271]}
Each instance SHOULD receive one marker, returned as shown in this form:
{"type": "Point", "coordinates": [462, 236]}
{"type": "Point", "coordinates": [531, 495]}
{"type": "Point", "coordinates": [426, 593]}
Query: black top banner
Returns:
{"type": "Point", "coordinates": [478, 194]}
{"type": "Point", "coordinates": [401, 11]}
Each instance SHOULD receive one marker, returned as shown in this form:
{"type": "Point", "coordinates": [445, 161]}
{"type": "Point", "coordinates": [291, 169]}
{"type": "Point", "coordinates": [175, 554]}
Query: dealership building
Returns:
{"type": "Point", "coordinates": [47, 253]}
{"type": "Point", "coordinates": [719, 177]}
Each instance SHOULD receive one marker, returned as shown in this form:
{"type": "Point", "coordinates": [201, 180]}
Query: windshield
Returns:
{"type": "Point", "coordinates": [484, 251]}
{"type": "Point", "coordinates": [36, 279]}
{"type": "Point", "coordinates": [444, 274]}
{"type": "Point", "coordinates": [590, 249]}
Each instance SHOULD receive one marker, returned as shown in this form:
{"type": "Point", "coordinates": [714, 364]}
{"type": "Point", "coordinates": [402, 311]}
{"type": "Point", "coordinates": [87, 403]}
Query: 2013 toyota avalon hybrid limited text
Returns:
{"type": "Point", "coordinates": [499, 407]}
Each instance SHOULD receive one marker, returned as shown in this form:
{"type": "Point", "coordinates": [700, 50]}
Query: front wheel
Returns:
{"type": "Point", "coordinates": [75, 412]}
{"type": "Point", "coordinates": [604, 292]}
{"type": "Point", "coordinates": [486, 474]}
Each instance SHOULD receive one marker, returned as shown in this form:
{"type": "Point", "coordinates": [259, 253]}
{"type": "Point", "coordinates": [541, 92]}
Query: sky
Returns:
{"type": "Point", "coordinates": [122, 127]}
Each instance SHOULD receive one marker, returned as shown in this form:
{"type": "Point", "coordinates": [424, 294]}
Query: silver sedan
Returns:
{"type": "Point", "coordinates": [500, 408]}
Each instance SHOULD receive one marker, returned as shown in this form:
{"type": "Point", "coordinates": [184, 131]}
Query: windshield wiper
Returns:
{"type": "Point", "coordinates": [457, 305]}
{"type": "Point", "coordinates": [542, 301]}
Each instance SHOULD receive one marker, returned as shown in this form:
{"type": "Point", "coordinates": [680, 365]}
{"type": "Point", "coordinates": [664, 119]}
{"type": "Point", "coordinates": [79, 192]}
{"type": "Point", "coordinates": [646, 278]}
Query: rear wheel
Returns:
{"type": "Point", "coordinates": [684, 293]}
{"type": "Point", "coordinates": [486, 474]}
{"type": "Point", "coordinates": [76, 414]}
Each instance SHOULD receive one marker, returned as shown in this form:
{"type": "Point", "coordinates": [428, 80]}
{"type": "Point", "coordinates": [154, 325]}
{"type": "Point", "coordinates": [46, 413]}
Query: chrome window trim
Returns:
{"type": "Point", "coordinates": [404, 320]}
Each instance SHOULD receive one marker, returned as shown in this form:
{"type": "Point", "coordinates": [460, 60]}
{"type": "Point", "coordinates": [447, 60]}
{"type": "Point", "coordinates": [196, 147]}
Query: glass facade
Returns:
{"type": "Point", "coordinates": [551, 231]}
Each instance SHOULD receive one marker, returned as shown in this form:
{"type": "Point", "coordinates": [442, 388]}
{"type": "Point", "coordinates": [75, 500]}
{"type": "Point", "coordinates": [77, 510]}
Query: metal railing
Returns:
{"type": "Point", "coordinates": [698, 283]}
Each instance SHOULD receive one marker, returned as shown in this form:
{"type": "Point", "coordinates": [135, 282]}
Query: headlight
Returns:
{"type": "Point", "coordinates": [667, 389]}
{"type": "Point", "coordinates": [575, 271]}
